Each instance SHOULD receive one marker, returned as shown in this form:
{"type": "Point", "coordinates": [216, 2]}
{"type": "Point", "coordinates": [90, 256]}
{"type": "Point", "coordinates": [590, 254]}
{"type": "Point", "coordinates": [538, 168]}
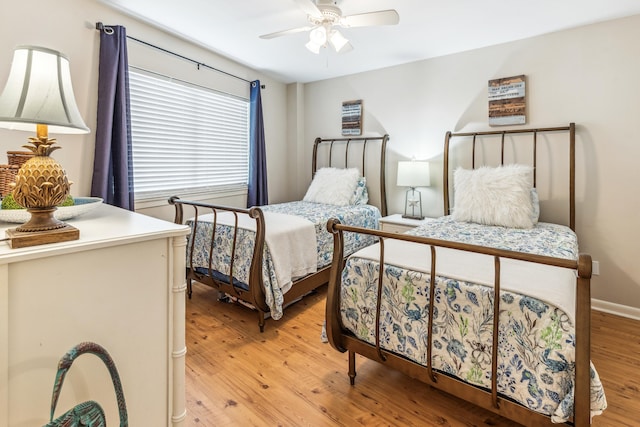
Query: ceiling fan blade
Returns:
{"type": "Point", "coordinates": [309, 7]}
{"type": "Point", "coordinates": [285, 32]}
{"type": "Point", "coordinates": [381, 17]}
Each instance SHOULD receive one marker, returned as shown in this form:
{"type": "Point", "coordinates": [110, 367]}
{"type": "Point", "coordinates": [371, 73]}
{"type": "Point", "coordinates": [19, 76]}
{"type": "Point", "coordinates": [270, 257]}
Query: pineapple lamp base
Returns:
{"type": "Point", "coordinates": [41, 184]}
{"type": "Point", "coordinates": [42, 219]}
{"type": "Point", "coordinates": [23, 239]}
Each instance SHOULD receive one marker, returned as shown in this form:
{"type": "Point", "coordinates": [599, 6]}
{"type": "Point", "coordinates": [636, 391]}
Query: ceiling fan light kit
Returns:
{"type": "Point", "coordinates": [323, 15]}
{"type": "Point", "coordinates": [338, 41]}
{"type": "Point", "coordinates": [319, 36]}
{"type": "Point", "coordinates": [317, 39]}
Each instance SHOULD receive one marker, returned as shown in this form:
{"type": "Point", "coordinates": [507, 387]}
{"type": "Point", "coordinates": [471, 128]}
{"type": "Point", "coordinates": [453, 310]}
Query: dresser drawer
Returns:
{"type": "Point", "coordinates": [395, 228]}
{"type": "Point", "coordinates": [397, 224]}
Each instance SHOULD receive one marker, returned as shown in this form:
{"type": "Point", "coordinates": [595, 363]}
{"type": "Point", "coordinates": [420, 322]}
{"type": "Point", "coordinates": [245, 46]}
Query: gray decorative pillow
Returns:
{"type": "Point", "coordinates": [360, 195]}
{"type": "Point", "coordinates": [535, 201]}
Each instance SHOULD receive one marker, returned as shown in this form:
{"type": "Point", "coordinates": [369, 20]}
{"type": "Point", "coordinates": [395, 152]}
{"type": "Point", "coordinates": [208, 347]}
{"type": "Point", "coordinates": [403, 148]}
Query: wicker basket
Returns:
{"type": "Point", "coordinates": [7, 176]}
{"type": "Point", "coordinates": [18, 157]}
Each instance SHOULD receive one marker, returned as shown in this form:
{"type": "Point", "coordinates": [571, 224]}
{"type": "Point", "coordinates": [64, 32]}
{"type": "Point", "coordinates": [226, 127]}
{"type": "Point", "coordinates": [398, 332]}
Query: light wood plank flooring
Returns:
{"type": "Point", "coordinates": [286, 376]}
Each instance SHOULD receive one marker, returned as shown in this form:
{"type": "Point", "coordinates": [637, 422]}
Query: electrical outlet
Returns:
{"type": "Point", "coordinates": [595, 268]}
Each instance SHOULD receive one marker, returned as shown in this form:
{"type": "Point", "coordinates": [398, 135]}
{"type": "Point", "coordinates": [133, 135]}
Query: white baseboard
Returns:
{"type": "Point", "coordinates": [617, 309]}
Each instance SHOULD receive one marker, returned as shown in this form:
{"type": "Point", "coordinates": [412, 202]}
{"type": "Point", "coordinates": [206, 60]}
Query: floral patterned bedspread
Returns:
{"type": "Point", "coordinates": [545, 239]}
{"type": "Point", "coordinates": [536, 338]}
{"type": "Point", "coordinates": [360, 215]}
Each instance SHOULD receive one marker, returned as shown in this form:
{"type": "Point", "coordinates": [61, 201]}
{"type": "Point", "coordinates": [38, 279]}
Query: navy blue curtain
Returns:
{"type": "Point", "coordinates": [113, 165]}
{"type": "Point", "coordinates": [257, 191]}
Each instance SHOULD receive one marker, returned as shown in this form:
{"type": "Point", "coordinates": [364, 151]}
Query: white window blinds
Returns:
{"type": "Point", "coordinates": [186, 138]}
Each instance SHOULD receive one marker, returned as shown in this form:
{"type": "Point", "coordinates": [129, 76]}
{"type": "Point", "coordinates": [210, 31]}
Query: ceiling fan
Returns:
{"type": "Point", "coordinates": [325, 15]}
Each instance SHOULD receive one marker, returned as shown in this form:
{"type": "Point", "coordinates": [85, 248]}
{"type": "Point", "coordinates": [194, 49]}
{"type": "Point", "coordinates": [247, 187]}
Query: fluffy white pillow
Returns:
{"type": "Point", "coordinates": [333, 186]}
{"type": "Point", "coordinates": [494, 196]}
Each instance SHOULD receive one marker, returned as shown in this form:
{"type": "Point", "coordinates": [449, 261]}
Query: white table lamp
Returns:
{"type": "Point", "coordinates": [413, 174]}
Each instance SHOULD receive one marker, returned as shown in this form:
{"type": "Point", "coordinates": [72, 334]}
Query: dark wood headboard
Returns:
{"type": "Point", "coordinates": [477, 136]}
{"type": "Point", "coordinates": [340, 152]}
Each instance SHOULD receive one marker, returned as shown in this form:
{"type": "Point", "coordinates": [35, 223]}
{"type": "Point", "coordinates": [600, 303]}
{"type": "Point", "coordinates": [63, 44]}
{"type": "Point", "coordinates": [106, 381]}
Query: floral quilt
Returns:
{"type": "Point", "coordinates": [360, 215]}
{"type": "Point", "coordinates": [536, 338]}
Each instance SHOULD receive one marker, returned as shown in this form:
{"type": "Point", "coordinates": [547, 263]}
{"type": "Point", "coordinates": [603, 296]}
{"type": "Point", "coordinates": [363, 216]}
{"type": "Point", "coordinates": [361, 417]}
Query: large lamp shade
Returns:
{"type": "Point", "coordinates": [39, 91]}
{"type": "Point", "coordinates": [413, 174]}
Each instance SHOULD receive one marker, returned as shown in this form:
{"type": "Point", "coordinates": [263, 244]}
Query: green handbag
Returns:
{"type": "Point", "coordinates": [89, 413]}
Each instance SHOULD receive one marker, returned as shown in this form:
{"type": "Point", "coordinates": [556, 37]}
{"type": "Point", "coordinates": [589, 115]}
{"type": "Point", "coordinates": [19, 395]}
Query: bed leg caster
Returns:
{"type": "Point", "coordinates": [352, 367]}
{"type": "Point", "coordinates": [261, 320]}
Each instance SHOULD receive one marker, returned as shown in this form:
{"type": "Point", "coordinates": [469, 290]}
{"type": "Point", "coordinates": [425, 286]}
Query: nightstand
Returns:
{"type": "Point", "coordinates": [397, 224]}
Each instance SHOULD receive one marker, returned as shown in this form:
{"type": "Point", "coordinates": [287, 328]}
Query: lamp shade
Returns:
{"type": "Point", "coordinates": [39, 91]}
{"type": "Point", "coordinates": [413, 174]}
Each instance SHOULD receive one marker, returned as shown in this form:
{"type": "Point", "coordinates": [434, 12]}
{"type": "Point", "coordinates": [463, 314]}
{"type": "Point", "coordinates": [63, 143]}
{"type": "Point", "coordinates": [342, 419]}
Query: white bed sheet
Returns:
{"type": "Point", "coordinates": [291, 241]}
{"type": "Point", "coordinates": [555, 285]}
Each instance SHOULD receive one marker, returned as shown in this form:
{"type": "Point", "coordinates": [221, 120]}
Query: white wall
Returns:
{"type": "Point", "coordinates": [587, 75]}
{"type": "Point", "coordinates": [69, 27]}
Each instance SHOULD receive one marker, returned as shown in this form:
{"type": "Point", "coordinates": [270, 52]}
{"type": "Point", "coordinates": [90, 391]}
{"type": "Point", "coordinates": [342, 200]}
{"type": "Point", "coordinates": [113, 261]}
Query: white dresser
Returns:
{"type": "Point", "coordinates": [121, 285]}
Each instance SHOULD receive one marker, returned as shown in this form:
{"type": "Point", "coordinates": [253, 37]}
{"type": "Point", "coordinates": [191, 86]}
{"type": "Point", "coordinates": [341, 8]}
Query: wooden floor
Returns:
{"type": "Point", "coordinates": [286, 376]}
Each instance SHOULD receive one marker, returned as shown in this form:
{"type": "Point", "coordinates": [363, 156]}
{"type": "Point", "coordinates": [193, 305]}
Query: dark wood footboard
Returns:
{"type": "Point", "coordinates": [254, 295]}
{"type": "Point", "coordinates": [344, 341]}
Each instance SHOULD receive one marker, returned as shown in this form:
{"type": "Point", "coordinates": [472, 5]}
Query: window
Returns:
{"type": "Point", "coordinates": [186, 138]}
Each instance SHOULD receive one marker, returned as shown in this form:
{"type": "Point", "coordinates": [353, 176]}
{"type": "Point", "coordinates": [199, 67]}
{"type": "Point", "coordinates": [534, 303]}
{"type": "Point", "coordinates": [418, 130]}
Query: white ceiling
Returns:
{"type": "Point", "coordinates": [427, 28]}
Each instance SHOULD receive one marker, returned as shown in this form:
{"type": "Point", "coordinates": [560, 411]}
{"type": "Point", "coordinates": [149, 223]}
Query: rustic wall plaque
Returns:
{"type": "Point", "coordinates": [507, 101]}
{"type": "Point", "coordinates": [352, 117]}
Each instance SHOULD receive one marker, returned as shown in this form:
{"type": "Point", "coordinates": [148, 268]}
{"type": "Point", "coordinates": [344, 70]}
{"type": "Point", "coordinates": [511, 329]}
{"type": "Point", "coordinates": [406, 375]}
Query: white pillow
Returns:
{"type": "Point", "coordinates": [333, 186]}
{"type": "Point", "coordinates": [494, 196]}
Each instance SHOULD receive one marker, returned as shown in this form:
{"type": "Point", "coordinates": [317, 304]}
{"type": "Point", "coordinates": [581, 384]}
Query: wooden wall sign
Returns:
{"type": "Point", "coordinates": [507, 101]}
{"type": "Point", "coordinates": [352, 118]}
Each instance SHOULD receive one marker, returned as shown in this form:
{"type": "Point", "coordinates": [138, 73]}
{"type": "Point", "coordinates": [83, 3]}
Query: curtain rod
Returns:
{"type": "Point", "coordinates": [100, 27]}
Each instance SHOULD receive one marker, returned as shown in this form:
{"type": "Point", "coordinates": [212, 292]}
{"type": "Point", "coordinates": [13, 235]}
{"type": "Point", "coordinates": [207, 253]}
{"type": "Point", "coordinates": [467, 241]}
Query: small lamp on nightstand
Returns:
{"type": "Point", "coordinates": [413, 174]}
{"type": "Point", "coordinates": [39, 97]}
